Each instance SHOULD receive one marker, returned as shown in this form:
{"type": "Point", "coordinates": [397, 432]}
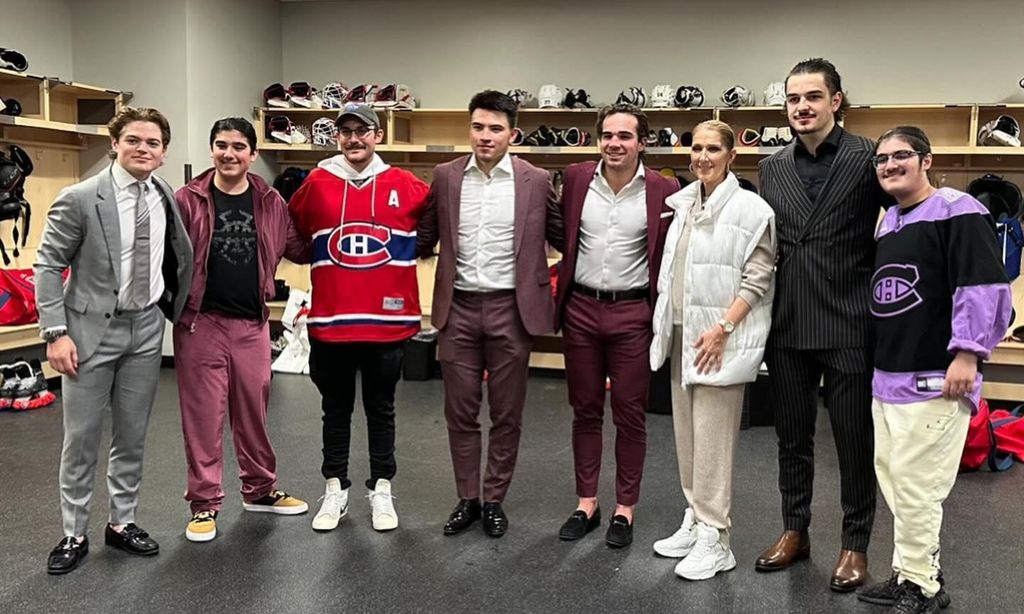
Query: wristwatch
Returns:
{"type": "Point", "coordinates": [727, 326]}
{"type": "Point", "coordinates": [50, 336]}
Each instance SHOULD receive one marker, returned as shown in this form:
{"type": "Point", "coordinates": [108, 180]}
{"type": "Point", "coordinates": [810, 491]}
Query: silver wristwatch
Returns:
{"type": "Point", "coordinates": [50, 336]}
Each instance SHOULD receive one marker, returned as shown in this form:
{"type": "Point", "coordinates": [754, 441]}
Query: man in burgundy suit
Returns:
{"type": "Point", "coordinates": [492, 294]}
{"type": "Point", "coordinates": [615, 225]}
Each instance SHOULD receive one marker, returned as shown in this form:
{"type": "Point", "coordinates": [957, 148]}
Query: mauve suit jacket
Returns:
{"type": "Point", "coordinates": [575, 184]}
{"type": "Point", "coordinates": [537, 217]}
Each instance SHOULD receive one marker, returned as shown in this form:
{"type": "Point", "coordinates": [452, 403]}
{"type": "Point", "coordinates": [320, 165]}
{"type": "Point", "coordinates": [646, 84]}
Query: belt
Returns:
{"type": "Point", "coordinates": [611, 296]}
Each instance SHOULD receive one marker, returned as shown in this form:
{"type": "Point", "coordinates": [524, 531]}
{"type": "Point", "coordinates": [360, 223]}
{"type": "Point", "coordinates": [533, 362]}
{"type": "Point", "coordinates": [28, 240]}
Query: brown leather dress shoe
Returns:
{"type": "Point", "coordinates": [851, 571]}
{"type": "Point", "coordinates": [792, 546]}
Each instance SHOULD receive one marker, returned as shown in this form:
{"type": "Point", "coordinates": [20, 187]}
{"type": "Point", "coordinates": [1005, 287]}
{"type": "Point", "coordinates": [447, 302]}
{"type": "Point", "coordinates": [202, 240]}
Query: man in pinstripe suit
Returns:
{"type": "Point", "coordinates": [826, 200]}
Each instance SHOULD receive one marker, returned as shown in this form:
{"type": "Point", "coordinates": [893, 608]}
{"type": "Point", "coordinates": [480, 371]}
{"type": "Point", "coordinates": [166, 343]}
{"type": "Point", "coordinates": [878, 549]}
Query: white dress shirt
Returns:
{"type": "Point", "coordinates": [126, 190]}
{"type": "Point", "coordinates": [485, 259]}
{"type": "Point", "coordinates": [613, 235]}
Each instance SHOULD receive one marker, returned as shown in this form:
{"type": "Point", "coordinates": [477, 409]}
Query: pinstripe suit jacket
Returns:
{"type": "Point", "coordinates": [826, 248]}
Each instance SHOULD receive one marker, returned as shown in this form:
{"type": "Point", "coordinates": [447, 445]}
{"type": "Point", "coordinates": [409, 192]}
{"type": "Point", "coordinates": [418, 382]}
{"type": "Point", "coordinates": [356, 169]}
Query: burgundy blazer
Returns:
{"type": "Point", "coordinates": [537, 217]}
{"type": "Point", "coordinates": [575, 184]}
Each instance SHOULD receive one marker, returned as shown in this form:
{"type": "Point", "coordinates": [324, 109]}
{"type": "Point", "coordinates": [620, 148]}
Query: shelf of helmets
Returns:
{"type": "Point", "coordinates": [62, 126]}
{"type": "Point", "coordinates": [428, 136]}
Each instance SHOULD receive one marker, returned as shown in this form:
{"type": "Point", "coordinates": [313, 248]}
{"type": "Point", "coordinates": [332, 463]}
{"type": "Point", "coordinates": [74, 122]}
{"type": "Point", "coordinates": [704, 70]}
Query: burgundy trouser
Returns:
{"type": "Point", "coordinates": [223, 366]}
{"type": "Point", "coordinates": [608, 339]}
{"type": "Point", "coordinates": [484, 331]}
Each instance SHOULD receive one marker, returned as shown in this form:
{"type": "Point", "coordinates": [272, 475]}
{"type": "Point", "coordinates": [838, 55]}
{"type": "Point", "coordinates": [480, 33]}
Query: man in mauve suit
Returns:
{"type": "Point", "coordinates": [491, 213]}
{"type": "Point", "coordinates": [615, 222]}
{"type": "Point", "coordinates": [121, 234]}
{"type": "Point", "coordinates": [827, 200]}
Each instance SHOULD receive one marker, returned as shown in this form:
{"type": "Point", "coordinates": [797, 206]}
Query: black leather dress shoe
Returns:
{"type": "Point", "coordinates": [132, 540]}
{"type": "Point", "coordinates": [495, 520]}
{"type": "Point", "coordinates": [620, 532]}
{"type": "Point", "coordinates": [579, 525]}
{"type": "Point", "coordinates": [463, 516]}
{"type": "Point", "coordinates": [68, 555]}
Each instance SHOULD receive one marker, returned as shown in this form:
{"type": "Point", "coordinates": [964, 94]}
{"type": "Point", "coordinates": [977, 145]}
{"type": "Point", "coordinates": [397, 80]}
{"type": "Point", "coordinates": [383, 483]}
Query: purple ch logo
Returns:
{"type": "Point", "coordinates": [892, 290]}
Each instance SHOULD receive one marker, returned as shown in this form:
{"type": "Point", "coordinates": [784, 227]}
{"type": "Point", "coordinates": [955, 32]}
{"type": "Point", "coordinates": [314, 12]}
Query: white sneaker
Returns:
{"type": "Point", "coordinates": [333, 508]}
{"type": "Point", "coordinates": [384, 516]}
{"type": "Point", "coordinates": [679, 544]}
{"type": "Point", "coordinates": [708, 557]}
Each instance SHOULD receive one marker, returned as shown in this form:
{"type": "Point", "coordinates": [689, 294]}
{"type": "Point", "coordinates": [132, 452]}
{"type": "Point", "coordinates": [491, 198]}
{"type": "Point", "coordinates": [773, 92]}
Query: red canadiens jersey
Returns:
{"type": "Point", "coordinates": [364, 254]}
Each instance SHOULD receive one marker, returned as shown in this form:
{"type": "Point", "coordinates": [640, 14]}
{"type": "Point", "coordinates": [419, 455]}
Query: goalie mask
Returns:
{"type": "Point", "coordinates": [522, 98]}
{"type": "Point", "coordinates": [325, 132]}
{"type": "Point", "coordinates": [634, 96]}
{"type": "Point", "coordinates": [333, 95]}
{"type": "Point", "coordinates": [577, 99]}
{"type": "Point", "coordinates": [689, 96]}
{"type": "Point", "coordinates": [738, 96]}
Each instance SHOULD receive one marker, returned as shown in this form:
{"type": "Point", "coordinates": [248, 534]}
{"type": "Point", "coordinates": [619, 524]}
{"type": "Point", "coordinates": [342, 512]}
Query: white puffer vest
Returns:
{"type": "Point", "coordinates": [721, 241]}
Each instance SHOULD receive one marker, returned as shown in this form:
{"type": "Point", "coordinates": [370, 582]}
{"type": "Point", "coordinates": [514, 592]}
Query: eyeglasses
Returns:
{"type": "Point", "coordinates": [899, 156]}
{"type": "Point", "coordinates": [359, 132]}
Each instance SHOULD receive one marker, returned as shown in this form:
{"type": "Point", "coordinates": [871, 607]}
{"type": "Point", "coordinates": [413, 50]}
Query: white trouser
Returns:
{"type": "Point", "coordinates": [917, 454]}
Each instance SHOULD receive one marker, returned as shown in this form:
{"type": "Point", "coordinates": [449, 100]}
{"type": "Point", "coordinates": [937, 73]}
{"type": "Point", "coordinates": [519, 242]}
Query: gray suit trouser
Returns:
{"type": "Point", "coordinates": [122, 375]}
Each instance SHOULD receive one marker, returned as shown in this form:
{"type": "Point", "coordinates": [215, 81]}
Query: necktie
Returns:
{"type": "Point", "coordinates": [140, 251]}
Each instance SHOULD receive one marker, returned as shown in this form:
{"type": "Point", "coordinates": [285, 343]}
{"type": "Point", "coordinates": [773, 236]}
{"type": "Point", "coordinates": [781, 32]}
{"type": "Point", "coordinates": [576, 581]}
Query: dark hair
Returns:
{"type": "Point", "coordinates": [239, 124]}
{"type": "Point", "coordinates": [913, 135]}
{"type": "Point", "coordinates": [128, 115]}
{"type": "Point", "coordinates": [832, 79]}
{"type": "Point", "coordinates": [493, 100]}
{"type": "Point", "coordinates": [642, 126]}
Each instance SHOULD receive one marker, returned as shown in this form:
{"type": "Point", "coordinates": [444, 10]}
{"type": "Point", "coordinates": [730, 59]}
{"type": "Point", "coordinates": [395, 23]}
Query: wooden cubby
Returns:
{"type": "Point", "coordinates": [62, 127]}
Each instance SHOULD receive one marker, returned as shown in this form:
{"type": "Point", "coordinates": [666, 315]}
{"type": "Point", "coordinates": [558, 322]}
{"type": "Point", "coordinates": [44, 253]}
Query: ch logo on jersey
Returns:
{"type": "Point", "coordinates": [893, 290]}
{"type": "Point", "coordinates": [358, 245]}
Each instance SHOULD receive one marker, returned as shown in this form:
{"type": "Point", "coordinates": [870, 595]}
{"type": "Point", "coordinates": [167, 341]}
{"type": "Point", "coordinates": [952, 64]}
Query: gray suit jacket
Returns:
{"type": "Point", "coordinates": [82, 231]}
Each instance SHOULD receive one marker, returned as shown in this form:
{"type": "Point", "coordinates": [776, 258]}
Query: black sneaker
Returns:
{"type": "Point", "coordinates": [886, 593]}
{"type": "Point", "coordinates": [912, 601]}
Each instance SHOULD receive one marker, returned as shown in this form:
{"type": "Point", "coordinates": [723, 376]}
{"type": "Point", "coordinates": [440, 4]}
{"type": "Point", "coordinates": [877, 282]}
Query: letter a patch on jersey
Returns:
{"type": "Point", "coordinates": [393, 199]}
{"type": "Point", "coordinates": [358, 245]}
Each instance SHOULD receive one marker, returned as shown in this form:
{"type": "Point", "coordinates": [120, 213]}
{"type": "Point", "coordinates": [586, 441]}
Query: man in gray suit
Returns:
{"type": "Point", "coordinates": [131, 264]}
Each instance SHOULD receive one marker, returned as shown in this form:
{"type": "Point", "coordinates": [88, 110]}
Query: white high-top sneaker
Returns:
{"type": "Point", "coordinates": [383, 510]}
{"type": "Point", "coordinates": [679, 544]}
{"type": "Point", "coordinates": [708, 557]}
{"type": "Point", "coordinates": [333, 508]}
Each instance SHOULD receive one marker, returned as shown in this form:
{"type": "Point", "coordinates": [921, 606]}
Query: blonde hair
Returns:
{"type": "Point", "coordinates": [723, 129]}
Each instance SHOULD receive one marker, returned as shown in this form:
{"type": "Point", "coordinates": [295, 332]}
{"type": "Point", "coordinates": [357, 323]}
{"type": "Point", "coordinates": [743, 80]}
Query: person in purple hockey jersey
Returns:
{"type": "Point", "coordinates": [941, 302]}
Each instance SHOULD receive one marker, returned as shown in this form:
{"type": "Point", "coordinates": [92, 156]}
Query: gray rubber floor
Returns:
{"type": "Point", "coordinates": [265, 563]}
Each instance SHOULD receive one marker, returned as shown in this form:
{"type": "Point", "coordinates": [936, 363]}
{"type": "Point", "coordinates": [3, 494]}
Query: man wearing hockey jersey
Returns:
{"type": "Point", "coordinates": [361, 216]}
{"type": "Point", "coordinates": [941, 302]}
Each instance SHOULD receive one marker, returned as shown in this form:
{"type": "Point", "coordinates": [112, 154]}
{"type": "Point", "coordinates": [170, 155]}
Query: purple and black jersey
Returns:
{"type": "Point", "coordinates": [939, 287]}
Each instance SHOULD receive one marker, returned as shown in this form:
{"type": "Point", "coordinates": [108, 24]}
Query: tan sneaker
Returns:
{"type": "Point", "coordinates": [277, 502]}
{"type": "Point", "coordinates": [202, 527]}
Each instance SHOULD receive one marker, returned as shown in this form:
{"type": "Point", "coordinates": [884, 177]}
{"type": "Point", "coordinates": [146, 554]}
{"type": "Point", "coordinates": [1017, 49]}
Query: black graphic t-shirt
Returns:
{"type": "Point", "coordinates": [232, 267]}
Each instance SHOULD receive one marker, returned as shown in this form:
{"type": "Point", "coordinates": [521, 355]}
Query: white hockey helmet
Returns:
{"type": "Point", "coordinates": [662, 96]}
{"type": "Point", "coordinates": [550, 96]}
{"type": "Point", "coordinates": [775, 94]}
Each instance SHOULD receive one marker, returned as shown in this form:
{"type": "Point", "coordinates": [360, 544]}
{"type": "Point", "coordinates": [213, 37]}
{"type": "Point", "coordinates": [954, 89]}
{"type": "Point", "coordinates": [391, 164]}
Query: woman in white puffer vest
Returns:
{"type": "Point", "coordinates": [712, 317]}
